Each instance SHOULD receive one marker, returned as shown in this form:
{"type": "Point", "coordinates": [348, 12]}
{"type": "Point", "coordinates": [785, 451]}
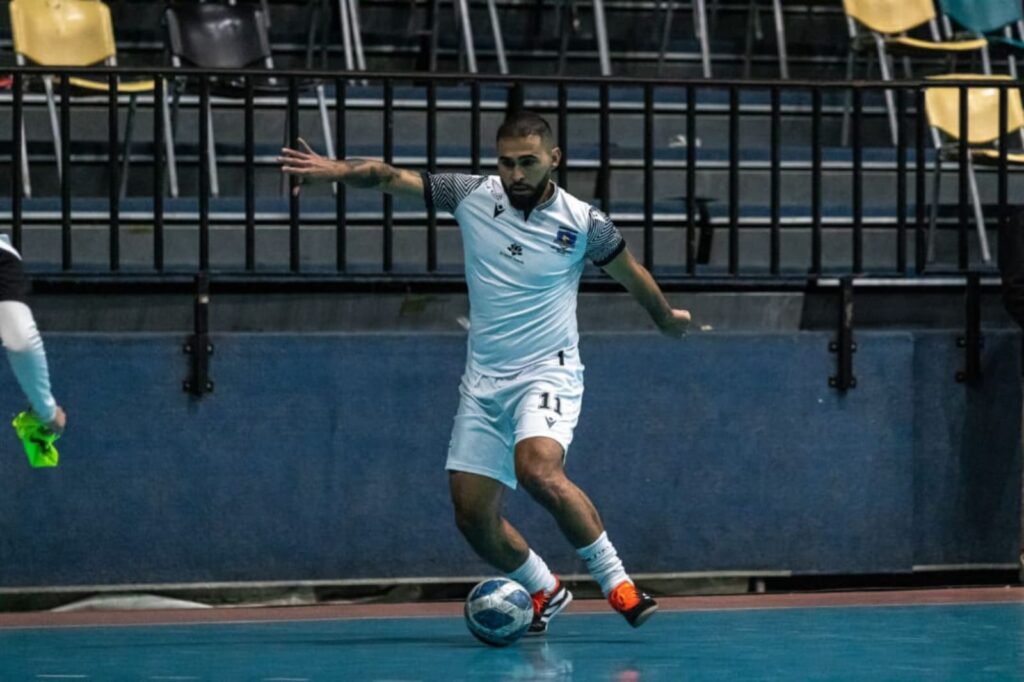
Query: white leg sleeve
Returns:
{"type": "Point", "coordinates": [25, 352]}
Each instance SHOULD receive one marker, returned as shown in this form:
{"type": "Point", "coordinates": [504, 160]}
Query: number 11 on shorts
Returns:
{"type": "Point", "coordinates": [545, 403]}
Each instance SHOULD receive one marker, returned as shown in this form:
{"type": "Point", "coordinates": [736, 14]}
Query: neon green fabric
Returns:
{"type": "Point", "coordinates": [38, 440]}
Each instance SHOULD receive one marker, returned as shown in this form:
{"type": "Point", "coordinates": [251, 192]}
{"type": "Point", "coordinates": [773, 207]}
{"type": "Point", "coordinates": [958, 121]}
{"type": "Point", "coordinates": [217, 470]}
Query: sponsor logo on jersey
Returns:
{"type": "Point", "coordinates": [514, 251]}
{"type": "Point", "coordinates": [565, 240]}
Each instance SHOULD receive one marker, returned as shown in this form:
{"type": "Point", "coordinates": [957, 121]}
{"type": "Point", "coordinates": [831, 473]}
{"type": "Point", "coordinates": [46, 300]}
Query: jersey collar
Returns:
{"type": "Point", "coordinates": [544, 204]}
{"type": "Point", "coordinates": [554, 195]}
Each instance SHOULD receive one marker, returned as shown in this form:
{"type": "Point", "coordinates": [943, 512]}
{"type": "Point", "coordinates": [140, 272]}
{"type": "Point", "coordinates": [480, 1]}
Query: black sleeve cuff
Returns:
{"type": "Point", "coordinates": [428, 196]}
{"type": "Point", "coordinates": [613, 255]}
{"type": "Point", "coordinates": [14, 285]}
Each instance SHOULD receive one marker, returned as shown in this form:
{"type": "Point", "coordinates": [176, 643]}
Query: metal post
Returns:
{"type": "Point", "coordinates": [776, 181]}
{"type": "Point", "coordinates": [901, 182]}
{"type": "Point", "coordinates": [18, 158]}
{"type": "Point", "coordinates": [389, 153]}
{"type": "Point", "coordinates": [816, 223]}
{"type": "Point", "coordinates": [357, 35]}
{"type": "Point", "coordinates": [474, 127]}
{"type": "Point", "coordinates": [159, 129]}
{"type": "Point", "coordinates": [250, 178]}
{"type": "Point", "coordinates": [294, 242]}
{"type": "Point", "coordinates": [666, 33]}
{"type": "Point", "coordinates": [65, 177]}
{"type": "Point", "coordinates": [563, 134]}
{"type": "Point", "coordinates": [858, 182]}
{"type": "Point", "coordinates": [701, 18]}
{"type": "Point", "coordinates": [198, 345]}
{"type": "Point", "coordinates": [346, 34]}
{"type": "Point", "coordinates": [601, 29]}
{"type": "Point", "coordinates": [734, 180]}
{"type": "Point", "coordinates": [340, 199]}
{"type": "Point", "coordinates": [691, 179]}
{"type": "Point", "coordinates": [1002, 198]}
{"type": "Point", "coordinates": [114, 194]}
{"type": "Point", "coordinates": [431, 22]}
{"type": "Point", "coordinates": [844, 346]}
{"type": "Point", "coordinates": [126, 159]}
{"type": "Point", "coordinates": [920, 197]}
{"type": "Point", "coordinates": [963, 257]}
{"type": "Point", "coordinates": [462, 7]}
{"type": "Point", "coordinates": [780, 38]}
{"type": "Point", "coordinates": [204, 174]}
{"type": "Point", "coordinates": [499, 43]}
{"type": "Point", "coordinates": [604, 172]}
{"type": "Point", "coordinates": [649, 176]}
{"type": "Point", "coordinates": [432, 168]}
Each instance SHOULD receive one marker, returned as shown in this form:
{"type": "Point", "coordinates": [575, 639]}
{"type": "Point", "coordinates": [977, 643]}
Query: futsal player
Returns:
{"type": "Point", "coordinates": [526, 242]}
{"type": "Point", "coordinates": [40, 426]}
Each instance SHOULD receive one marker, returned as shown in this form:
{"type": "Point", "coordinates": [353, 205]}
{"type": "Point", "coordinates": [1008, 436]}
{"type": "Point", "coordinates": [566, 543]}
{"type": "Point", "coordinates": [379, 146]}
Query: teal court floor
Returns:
{"type": "Point", "coordinates": [917, 635]}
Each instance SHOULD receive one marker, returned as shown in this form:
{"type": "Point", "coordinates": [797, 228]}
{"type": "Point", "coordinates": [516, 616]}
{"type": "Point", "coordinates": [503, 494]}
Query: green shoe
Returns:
{"type": "Point", "coordinates": [38, 440]}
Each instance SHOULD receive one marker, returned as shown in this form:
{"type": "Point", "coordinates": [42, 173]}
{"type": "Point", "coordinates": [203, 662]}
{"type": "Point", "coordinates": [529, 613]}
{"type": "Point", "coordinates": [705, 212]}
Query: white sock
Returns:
{"type": "Point", "coordinates": [603, 563]}
{"type": "Point", "coordinates": [534, 575]}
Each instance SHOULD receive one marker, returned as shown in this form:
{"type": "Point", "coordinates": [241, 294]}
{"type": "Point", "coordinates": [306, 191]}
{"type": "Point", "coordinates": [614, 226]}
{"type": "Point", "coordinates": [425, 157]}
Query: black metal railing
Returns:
{"type": "Point", "coordinates": [746, 246]}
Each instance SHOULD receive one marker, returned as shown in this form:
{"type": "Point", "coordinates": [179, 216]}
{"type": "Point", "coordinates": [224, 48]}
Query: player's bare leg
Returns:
{"type": "Point", "coordinates": [477, 501]}
{"type": "Point", "coordinates": [540, 469]}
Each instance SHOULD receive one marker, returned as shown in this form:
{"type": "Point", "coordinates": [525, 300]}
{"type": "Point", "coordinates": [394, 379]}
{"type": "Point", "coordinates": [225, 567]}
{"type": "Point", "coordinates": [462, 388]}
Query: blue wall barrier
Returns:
{"type": "Point", "coordinates": [320, 457]}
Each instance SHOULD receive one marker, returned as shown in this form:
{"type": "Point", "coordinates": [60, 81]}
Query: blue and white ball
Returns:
{"type": "Point", "coordinates": [499, 611]}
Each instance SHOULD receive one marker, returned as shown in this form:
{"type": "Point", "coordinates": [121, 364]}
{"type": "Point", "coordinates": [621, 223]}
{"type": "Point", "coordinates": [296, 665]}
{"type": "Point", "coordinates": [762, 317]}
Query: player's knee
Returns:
{"type": "Point", "coordinates": [544, 484]}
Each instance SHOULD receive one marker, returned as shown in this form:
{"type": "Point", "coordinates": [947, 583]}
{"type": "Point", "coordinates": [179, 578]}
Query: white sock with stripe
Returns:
{"type": "Point", "coordinates": [534, 575]}
{"type": "Point", "coordinates": [603, 563]}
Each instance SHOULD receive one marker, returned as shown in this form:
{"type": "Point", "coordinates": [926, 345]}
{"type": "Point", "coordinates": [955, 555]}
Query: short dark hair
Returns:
{"type": "Point", "coordinates": [523, 124]}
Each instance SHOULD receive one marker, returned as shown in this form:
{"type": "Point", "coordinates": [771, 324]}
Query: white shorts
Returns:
{"type": "Point", "coordinates": [495, 413]}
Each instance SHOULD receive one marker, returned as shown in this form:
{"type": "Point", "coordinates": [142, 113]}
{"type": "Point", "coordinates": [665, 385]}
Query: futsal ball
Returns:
{"type": "Point", "coordinates": [498, 611]}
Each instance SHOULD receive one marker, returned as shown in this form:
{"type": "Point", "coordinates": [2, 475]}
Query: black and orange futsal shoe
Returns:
{"type": "Point", "coordinates": [547, 605]}
{"type": "Point", "coordinates": [635, 606]}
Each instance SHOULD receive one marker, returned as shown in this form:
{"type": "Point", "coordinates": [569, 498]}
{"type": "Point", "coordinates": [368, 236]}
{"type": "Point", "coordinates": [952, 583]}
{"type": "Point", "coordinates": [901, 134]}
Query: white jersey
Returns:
{"type": "Point", "coordinates": [523, 271]}
{"type": "Point", "coordinates": [5, 244]}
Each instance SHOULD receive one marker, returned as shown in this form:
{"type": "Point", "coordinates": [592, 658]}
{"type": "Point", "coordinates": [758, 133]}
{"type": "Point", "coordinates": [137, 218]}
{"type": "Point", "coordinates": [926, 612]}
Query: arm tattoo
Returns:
{"type": "Point", "coordinates": [369, 174]}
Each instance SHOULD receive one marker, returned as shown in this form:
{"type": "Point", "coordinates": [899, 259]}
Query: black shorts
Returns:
{"type": "Point", "coordinates": [13, 283]}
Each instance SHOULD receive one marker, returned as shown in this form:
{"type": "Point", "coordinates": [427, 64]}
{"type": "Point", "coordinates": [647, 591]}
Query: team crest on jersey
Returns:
{"type": "Point", "coordinates": [565, 240]}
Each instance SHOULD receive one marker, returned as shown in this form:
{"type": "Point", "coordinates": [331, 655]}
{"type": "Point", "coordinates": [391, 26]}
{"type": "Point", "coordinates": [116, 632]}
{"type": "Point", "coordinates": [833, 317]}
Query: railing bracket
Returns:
{"type": "Point", "coordinates": [972, 341]}
{"type": "Point", "coordinates": [198, 345]}
{"type": "Point", "coordinates": [844, 346]}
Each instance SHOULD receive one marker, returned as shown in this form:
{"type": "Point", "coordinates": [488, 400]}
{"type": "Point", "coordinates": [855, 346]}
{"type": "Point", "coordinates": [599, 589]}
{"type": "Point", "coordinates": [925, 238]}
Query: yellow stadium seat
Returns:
{"type": "Point", "coordinates": [878, 27]}
{"type": "Point", "coordinates": [942, 106]}
{"type": "Point", "coordinates": [72, 33]}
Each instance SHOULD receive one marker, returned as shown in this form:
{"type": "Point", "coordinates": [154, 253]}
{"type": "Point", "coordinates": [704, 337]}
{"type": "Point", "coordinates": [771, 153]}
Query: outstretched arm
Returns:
{"type": "Point", "coordinates": [625, 270]}
{"type": "Point", "coordinates": [27, 358]}
{"type": "Point", "coordinates": [368, 174]}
